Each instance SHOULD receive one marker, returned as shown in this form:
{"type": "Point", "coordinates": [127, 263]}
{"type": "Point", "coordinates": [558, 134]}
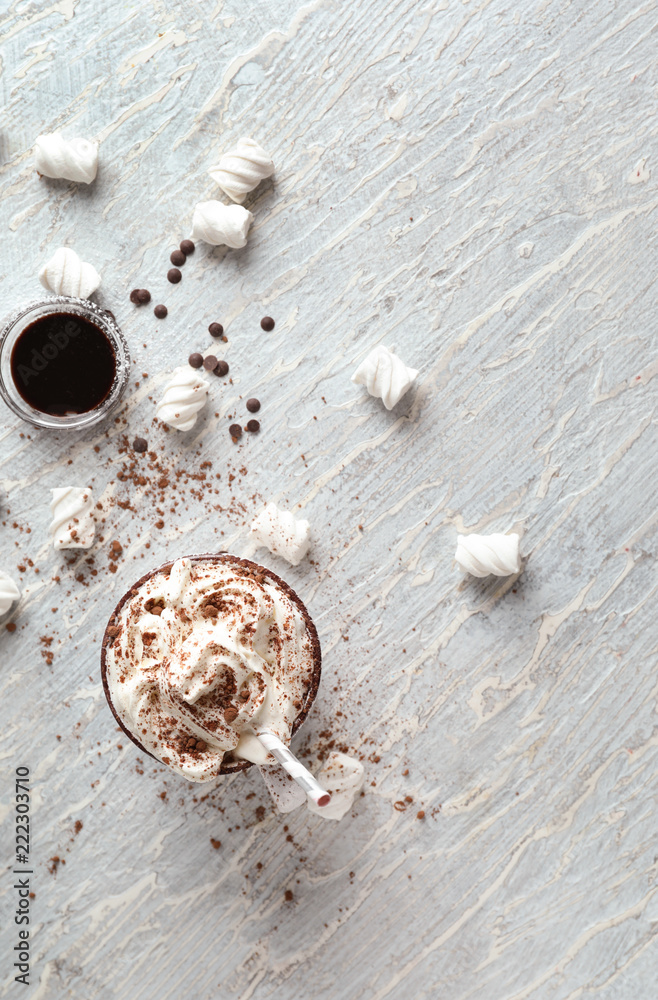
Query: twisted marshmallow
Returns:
{"type": "Point", "coordinates": [184, 396]}
{"type": "Point", "coordinates": [343, 778]}
{"type": "Point", "coordinates": [71, 159]}
{"type": "Point", "coordinates": [385, 375]}
{"type": "Point", "coordinates": [242, 169]}
{"type": "Point", "coordinates": [73, 524]}
{"type": "Point", "coordinates": [282, 533]}
{"type": "Point", "coordinates": [216, 223]}
{"type": "Point", "coordinates": [66, 274]}
{"type": "Point", "coordinates": [9, 593]}
{"type": "Point", "coordinates": [485, 555]}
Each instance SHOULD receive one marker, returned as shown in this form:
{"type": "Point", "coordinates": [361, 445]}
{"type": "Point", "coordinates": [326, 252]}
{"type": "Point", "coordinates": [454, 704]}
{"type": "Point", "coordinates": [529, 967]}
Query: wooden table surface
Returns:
{"type": "Point", "coordinates": [473, 183]}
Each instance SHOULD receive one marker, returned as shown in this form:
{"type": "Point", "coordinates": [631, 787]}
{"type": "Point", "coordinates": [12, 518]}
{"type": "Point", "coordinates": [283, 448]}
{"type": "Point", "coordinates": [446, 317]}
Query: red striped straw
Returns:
{"type": "Point", "coordinates": [294, 767]}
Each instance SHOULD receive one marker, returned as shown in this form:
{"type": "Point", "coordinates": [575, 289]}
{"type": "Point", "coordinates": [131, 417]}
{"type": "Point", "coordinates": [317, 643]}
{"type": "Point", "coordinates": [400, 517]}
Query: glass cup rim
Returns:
{"type": "Point", "coordinates": [19, 319]}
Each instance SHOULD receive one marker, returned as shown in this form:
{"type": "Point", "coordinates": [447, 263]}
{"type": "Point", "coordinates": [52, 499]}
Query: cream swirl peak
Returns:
{"type": "Point", "coordinates": [202, 657]}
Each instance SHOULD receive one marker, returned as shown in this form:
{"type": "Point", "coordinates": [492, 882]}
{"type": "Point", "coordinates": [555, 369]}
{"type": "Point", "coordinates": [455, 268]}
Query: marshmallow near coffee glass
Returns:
{"type": "Point", "coordinates": [64, 362]}
{"type": "Point", "coordinates": [204, 653]}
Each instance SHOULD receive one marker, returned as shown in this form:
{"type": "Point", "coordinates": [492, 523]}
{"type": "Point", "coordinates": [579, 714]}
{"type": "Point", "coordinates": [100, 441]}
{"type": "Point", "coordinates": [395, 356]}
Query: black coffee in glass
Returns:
{"type": "Point", "coordinates": [63, 364]}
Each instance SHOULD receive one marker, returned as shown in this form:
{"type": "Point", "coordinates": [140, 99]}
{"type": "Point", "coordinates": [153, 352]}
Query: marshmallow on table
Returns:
{"type": "Point", "coordinates": [286, 793]}
{"type": "Point", "coordinates": [184, 395]}
{"type": "Point", "coordinates": [71, 159]}
{"type": "Point", "coordinates": [488, 555]}
{"type": "Point", "coordinates": [343, 778]}
{"type": "Point", "coordinates": [385, 375]}
{"type": "Point", "coordinates": [9, 593]}
{"type": "Point", "coordinates": [73, 525]}
{"type": "Point", "coordinates": [242, 169]}
{"type": "Point", "coordinates": [282, 533]}
{"type": "Point", "coordinates": [66, 274]}
{"type": "Point", "coordinates": [217, 224]}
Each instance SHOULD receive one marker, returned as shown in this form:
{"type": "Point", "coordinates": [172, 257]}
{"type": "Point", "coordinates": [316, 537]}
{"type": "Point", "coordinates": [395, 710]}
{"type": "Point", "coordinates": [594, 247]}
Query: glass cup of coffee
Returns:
{"type": "Point", "coordinates": [64, 362]}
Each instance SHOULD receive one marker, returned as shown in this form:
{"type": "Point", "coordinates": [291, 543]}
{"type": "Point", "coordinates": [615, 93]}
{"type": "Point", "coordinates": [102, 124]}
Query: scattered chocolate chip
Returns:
{"type": "Point", "coordinates": [253, 405]}
{"type": "Point", "coordinates": [200, 745]}
{"type": "Point", "coordinates": [134, 295]}
{"type": "Point", "coordinates": [112, 630]}
{"type": "Point", "coordinates": [173, 275]}
{"type": "Point", "coordinates": [244, 696]}
{"type": "Point", "coordinates": [11, 626]}
{"type": "Point", "coordinates": [289, 895]}
{"type": "Point", "coordinates": [235, 431]}
{"type": "Point", "coordinates": [215, 843]}
{"type": "Point", "coordinates": [117, 549]}
{"type": "Point", "coordinates": [253, 426]}
{"type": "Point", "coordinates": [177, 257]}
{"type": "Point", "coordinates": [420, 814]}
{"type": "Point", "coordinates": [195, 360]}
{"type": "Point", "coordinates": [221, 368]}
{"type": "Point", "coordinates": [187, 246]}
{"type": "Point", "coordinates": [267, 323]}
{"type": "Point", "coordinates": [210, 363]}
{"type": "Point", "coordinates": [140, 444]}
{"type": "Point", "coordinates": [140, 296]}
{"type": "Point", "coordinates": [160, 311]}
{"type": "Point", "coordinates": [230, 713]}
{"type": "Point", "coordinates": [157, 610]}
{"type": "Point", "coordinates": [215, 329]}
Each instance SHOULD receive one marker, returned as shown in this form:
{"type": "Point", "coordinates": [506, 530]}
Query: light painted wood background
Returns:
{"type": "Point", "coordinates": [475, 183]}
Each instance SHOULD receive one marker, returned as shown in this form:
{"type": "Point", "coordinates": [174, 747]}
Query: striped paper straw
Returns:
{"type": "Point", "coordinates": [294, 767]}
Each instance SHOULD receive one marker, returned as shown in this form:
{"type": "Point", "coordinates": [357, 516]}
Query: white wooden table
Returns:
{"type": "Point", "coordinates": [466, 181]}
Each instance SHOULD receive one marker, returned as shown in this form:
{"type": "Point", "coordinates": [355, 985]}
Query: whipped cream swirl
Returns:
{"type": "Point", "coordinates": [202, 657]}
{"type": "Point", "coordinates": [488, 555]}
{"type": "Point", "coordinates": [71, 159]}
{"type": "Point", "coordinates": [217, 224]}
{"type": "Point", "coordinates": [242, 169]}
{"type": "Point", "coordinates": [385, 375]}
{"type": "Point", "coordinates": [184, 395]}
{"type": "Point", "coordinates": [66, 274]}
{"type": "Point", "coordinates": [73, 524]}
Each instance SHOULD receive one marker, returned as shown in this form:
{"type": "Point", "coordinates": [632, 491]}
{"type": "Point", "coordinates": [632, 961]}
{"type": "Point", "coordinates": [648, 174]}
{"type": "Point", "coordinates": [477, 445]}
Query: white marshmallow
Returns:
{"type": "Point", "coordinates": [66, 274]}
{"type": "Point", "coordinates": [385, 375]}
{"type": "Point", "coordinates": [71, 159]}
{"type": "Point", "coordinates": [73, 525]}
{"type": "Point", "coordinates": [282, 533]}
{"type": "Point", "coordinates": [343, 778]}
{"type": "Point", "coordinates": [9, 593]}
{"type": "Point", "coordinates": [217, 223]}
{"type": "Point", "coordinates": [242, 169]}
{"type": "Point", "coordinates": [488, 555]}
{"type": "Point", "coordinates": [184, 395]}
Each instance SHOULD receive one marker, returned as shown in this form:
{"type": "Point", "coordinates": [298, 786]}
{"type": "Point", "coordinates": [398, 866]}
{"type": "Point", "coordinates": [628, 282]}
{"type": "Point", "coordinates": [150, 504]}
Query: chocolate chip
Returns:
{"type": "Point", "coordinates": [253, 405]}
{"type": "Point", "coordinates": [253, 426]}
{"type": "Point", "coordinates": [230, 713]}
{"type": "Point", "coordinates": [140, 296]}
{"type": "Point", "coordinates": [173, 275]}
{"type": "Point", "coordinates": [156, 610]}
{"type": "Point", "coordinates": [117, 548]}
{"type": "Point", "coordinates": [200, 745]}
{"type": "Point", "coordinates": [177, 257]}
{"type": "Point", "coordinates": [160, 311]}
{"type": "Point", "coordinates": [267, 323]}
{"type": "Point", "coordinates": [140, 444]}
{"type": "Point", "coordinates": [221, 368]}
{"type": "Point", "coordinates": [235, 431]}
{"type": "Point", "coordinates": [187, 246]}
{"type": "Point", "coordinates": [210, 363]}
{"type": "Point", "coordinates": [134, 295]}
{"type": "Point", "coordinates": [112, 631]}
{"type": "Point", "coordinates": [244, 696]}
{"type": "Point", "coordinates": [195, 360]}
{"type": "Point", "coordinates": [215, 329]}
